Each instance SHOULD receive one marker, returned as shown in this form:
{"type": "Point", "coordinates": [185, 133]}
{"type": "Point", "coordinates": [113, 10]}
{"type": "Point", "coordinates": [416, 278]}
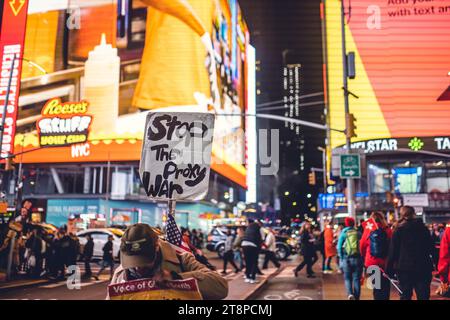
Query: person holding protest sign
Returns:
{"type": "Point", "coordinates": [145, 256]}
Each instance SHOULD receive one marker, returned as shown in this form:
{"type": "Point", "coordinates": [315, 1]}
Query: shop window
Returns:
{"type": "Point", "coordinates": [407, 179]}
{"type": "Point", "coordinates": [437, 178]}
{"type": "Point", "coordinates": [122, 182]}
{"type": "Point", "coordinates": [379, 178]}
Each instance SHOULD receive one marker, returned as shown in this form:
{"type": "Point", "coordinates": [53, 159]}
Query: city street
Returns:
{"type": "Point", "coordinates": [282, 285]}
{"type": "Point", "coordinates": [310, 133]}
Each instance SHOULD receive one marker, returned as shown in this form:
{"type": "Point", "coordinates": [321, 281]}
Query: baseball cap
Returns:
{"type": "Point", "coordinates": [138, 246]}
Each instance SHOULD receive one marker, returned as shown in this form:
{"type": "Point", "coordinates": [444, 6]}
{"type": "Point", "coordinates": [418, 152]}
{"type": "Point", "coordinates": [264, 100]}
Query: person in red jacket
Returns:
{"type": "Point", "coordinates": [374, 251]}
{"type": "Point", "coordinates": [444, 260]}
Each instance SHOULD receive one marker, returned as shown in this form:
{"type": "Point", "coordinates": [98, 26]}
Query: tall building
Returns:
{"type": "Point", "coordinates": [288, 40]}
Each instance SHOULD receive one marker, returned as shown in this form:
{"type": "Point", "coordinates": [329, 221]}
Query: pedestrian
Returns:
{"type": "Point", "coordinates": [12, 239]}
{"type": "Point", "coordinates": [374, 247]}
{"type": "Point", "coordinates": [436, 236]}
{"type": "Point", "coordinates": [34, 244]}
{"type": "Point", "coordinates": [350, 258]}
{"type": "Point", "coordinates": [339, 229]}
{"type": "Point", "coordinates": [74, 250]}
{"type": "Point", "coordinates": [108, 258]}
{"type": "Point", "coordinates": [195, 239]}
{"type": "Point", "coordinates": [198, 254]}
{"type": "Point", "coordinates": [410, 256]}
{"type": "Point", "coordinates": [330, 246]}
{"type": "Point", "coordinates": [307, 250]}
{"type": "Point", "coordinates": [320, 246]}
{"type": "Point", "coordinates": [270, 245]}
{"type": "Point", "coordinates": [88, 252]}
{"type": "Point", "coordinates": [67, 249]}
{"type": "Point", "coordinates": [59, 254]}
{"type": "Point", "coordinates": [144, 255]}
{"type": "Point", "coordinates": [444, 264]}
{"type": "Point", "coordinates": [228, 255]}
{"type": "Point", "coordinates": [201, 238]}
{"type": "Point", "coordinates": [251, 244]}
{"type": "Point", "coordinates": [237, 247]}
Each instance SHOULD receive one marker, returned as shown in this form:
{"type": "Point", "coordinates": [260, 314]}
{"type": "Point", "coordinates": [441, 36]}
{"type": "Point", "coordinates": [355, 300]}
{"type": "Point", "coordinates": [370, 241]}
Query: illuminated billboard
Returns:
{"type": "Point", "coordinates": [402, 51]}
{"type": "Point", "coordinates": [159, 60]}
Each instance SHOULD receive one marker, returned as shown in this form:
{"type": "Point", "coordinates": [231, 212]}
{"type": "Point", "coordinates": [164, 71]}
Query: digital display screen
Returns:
{"type": "Point", "coordinates": [121, 83]}
{"type": "Point", "coordinates": [402, 52]}
{"type": "Point", "coordinates": [407, 180]}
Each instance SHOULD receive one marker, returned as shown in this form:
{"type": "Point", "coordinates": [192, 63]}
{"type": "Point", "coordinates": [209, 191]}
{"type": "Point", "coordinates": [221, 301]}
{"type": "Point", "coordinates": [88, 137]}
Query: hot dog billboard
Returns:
{"type": "Point", "coordinates": [402, 68]}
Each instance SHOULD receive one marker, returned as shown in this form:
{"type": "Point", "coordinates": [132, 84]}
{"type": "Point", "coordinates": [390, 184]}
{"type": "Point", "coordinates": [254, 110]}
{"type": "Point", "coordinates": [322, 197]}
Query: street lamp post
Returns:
{"type": "Point", "coordinates": [350, 182]}
{"type": "Point", "coordinates": [324, 164]}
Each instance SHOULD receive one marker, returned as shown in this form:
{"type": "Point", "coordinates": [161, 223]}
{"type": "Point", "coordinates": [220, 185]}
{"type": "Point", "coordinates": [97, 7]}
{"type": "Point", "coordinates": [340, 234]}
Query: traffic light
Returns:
{"type": "Point", "coordinates": [9, 164]}
{"type": "Point", "coordinates": [312, 178]}
{"type": "Point", "coordinates": [351, 126]}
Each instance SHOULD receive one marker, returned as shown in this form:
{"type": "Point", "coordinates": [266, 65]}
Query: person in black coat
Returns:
{"type": "Point", "coordinates": [308, 251]}
{"type": "Point", "coordinates": [34, 244]}
{"type": "Point", "coordinates": [108, 258]}
{"type": "Point", "coordinates": [59, 248]}
{"type": "Point", "coordinates": [410, 256]}
{"type": "Point", "coordinates": [88, 252]}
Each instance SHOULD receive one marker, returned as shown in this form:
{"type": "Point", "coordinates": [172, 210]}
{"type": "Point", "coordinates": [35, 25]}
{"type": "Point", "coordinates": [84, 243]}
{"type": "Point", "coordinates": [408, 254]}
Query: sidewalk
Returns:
{"type": "Point", "coordinates": [238, 289]}
{"type": "Point", "coordinates": [25, 282]}
{"type": "Point", "coordinates": [334, 289]}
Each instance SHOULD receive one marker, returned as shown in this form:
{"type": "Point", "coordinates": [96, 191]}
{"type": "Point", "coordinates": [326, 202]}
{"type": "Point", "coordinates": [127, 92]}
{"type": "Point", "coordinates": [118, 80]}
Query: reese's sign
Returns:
{"type": "Point", "coordinates": [63, 123]}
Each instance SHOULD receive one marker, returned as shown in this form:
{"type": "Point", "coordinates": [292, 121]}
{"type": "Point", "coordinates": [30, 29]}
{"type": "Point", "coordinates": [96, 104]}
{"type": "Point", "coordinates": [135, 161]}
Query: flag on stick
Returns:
{"type": "Point", "coordinates": [174, 236]}
{"type": "Point", "coordinates": [370, 225]}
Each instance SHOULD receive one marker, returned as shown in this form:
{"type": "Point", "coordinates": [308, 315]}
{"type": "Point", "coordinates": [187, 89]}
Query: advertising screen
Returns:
{"type": "Point", "coordinates": [123, 59]}
{"type": "Point", "coordinates": [402, 51]}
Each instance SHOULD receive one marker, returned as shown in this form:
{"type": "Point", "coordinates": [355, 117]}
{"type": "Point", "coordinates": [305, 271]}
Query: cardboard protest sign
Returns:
{"type": "Point", "coordinates": [176, 155]}
{"type": "Point", "coordinates": [148, 289]}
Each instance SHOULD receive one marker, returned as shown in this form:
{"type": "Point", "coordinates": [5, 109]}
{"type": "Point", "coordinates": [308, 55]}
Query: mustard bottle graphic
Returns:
{"type": "Point", "coordinates": [102, 77]}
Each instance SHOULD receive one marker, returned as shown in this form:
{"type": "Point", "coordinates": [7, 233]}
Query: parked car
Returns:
{"type": "Point", "coordinates": [217, 236]}
{"type": "Point", "coordinates": [285, 247]}
{"type": "Point", "coordinates": [100, 237]}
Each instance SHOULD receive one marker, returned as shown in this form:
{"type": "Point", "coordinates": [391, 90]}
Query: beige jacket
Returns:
{"type": "Point", "coordinates": [211, 285]}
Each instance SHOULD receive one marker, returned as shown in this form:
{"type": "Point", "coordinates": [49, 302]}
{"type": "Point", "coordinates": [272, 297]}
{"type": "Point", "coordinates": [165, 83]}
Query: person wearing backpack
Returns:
{"type": "Point", "coordinates": [374, 247]}
{"type": "Point", "coordinates": [350, 258]}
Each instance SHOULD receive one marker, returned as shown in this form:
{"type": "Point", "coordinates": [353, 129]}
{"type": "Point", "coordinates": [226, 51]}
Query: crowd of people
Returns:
{"type": "Point", "coordinates": [406, 254]}
{"type": "Point", "coordinates": [243, 247]}
{"type": "Point", "coordinates": [34, 251]}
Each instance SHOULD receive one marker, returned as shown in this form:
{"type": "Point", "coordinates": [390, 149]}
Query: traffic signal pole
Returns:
{"type": "Point", "coordinates": [350, 182]}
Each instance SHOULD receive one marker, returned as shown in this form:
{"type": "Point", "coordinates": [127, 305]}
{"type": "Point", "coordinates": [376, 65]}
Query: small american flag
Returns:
{"type": "Point", "coordinates": [174, 236]}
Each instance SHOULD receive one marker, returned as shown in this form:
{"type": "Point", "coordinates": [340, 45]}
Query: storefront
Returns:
{"type": "Point", "coordinates": [100, 213]}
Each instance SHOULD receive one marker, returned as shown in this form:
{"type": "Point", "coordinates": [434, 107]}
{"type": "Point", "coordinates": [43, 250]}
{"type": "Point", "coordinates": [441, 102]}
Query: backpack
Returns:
{"type": "Point", "coordinates": [378, 243]}
{"type": "Point", "coordinates": [351, 245]}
